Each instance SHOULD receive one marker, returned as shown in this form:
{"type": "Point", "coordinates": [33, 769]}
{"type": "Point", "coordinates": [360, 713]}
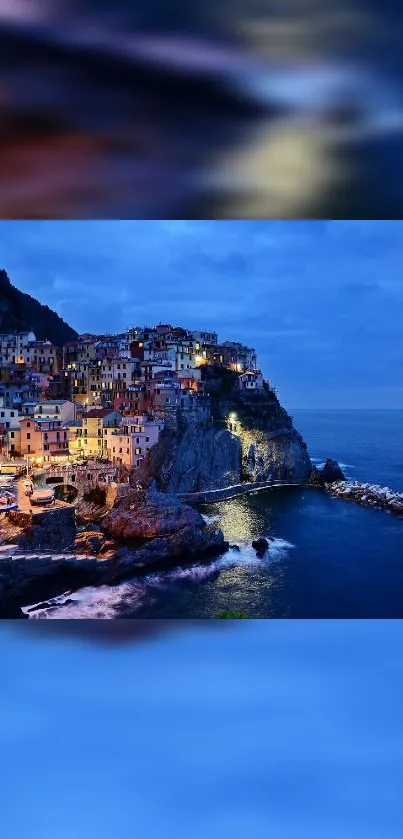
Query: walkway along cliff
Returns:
{"type": "Point", "coordinates": [228, 437]}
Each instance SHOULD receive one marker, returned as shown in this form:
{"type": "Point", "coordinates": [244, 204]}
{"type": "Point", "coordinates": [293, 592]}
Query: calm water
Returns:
{"type": "Point", "coordinates": [329, 558]}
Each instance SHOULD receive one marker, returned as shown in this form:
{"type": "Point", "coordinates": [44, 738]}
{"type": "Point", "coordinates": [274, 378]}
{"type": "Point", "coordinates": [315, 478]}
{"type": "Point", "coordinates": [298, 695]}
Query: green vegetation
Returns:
{"type": "Point", "coordinates": [229, 615]}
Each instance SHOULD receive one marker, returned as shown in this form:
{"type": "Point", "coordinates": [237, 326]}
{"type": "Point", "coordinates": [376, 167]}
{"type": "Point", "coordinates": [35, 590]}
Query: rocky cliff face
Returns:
{"type": "Point", "coordinates": [247, 437]}
{"type": "Point", "coordinates": [195, 456]}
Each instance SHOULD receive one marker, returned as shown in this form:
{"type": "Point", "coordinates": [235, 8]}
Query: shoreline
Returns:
{"type": "Point", "coordinates": [29, 575]}
{"type": "Point", "coordinates": [368, 495]}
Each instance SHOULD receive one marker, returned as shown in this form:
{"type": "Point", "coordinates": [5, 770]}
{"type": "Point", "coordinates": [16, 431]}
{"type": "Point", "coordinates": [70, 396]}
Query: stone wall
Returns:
{"type": "Point", "coordinates": [52, 529]}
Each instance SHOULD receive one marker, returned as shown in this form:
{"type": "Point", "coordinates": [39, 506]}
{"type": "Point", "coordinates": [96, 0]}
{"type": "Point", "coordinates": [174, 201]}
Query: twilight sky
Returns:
{"type": "Point", "coordinates": [321, 301]}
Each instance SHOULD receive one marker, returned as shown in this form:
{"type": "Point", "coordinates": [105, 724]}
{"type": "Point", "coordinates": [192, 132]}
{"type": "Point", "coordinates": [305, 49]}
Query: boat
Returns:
{"type": "Point", "coordinates": [6, 480]}
{"type": "Point", "coordinates": [42, 496]}
{"type": "Point", "coordinates": [7, 501]}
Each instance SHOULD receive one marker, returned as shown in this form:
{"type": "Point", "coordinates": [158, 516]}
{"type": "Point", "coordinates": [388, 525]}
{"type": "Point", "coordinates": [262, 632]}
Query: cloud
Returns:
{"type": "Point", "coordinates": [321, 301]}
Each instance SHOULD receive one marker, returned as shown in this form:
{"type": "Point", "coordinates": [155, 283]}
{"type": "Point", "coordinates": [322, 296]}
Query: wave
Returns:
{"type": "Point", "coordinates": [210, 519]}
{"type": "Point", "coordinates": [98, 603]}
{"type": "Point", "coordinates": [319, 463]}
{"type": "Point", "coordinates": [111, 602]}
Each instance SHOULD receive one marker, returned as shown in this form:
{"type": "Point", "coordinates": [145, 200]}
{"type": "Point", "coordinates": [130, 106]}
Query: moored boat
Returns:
{"type": "Point", "coordinates": [42, 496]}
{"type": "Point", "coordinates": [7, 501]}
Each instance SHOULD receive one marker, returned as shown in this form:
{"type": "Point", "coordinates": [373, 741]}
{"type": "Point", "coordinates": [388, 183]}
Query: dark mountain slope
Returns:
{"type": "Point", "coordinates": [20, 312]}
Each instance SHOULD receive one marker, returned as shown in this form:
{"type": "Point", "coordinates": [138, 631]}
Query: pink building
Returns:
{"type": "Point", "coordinates": [44, 439]}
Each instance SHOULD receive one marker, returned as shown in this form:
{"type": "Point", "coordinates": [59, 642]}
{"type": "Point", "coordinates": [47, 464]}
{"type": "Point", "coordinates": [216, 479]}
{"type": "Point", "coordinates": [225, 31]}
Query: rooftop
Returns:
{"type": "Point", "coordinates": [99, 413]}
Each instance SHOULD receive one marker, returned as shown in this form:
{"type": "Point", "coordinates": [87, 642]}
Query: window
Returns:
{"type": "Point", "coordinates": [28, 435]}
{"type": "Point", "coordinates": [147, 439]}
{"type": "Point", "coordinates": [28, 425]}
{"type": "Point", "coordinates": [11, 433]}
{"type": "Point", "coordinates": [137, 451]}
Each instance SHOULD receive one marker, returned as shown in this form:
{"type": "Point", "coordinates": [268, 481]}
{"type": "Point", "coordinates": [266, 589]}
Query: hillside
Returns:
{"type": "Point", "coordinates": [199, 452]}
{"type": "Point", "coordinates": [20, 312]}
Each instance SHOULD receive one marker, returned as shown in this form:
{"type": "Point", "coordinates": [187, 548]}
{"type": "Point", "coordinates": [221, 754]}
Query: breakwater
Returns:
{"type": "Point", "coordinates": [369, 495]}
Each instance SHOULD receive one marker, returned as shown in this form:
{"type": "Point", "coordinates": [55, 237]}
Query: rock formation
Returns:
{"type": "Point", "coordinates": [53, 529]}
{"type": "Point", "coordinates": [234, 437]}
{"type": "Point", "coordinates": [369, 495]}
{"type": "Point", "coordinates": [327, 474]}
{"type": "Point", "coordinates": [139, 531]}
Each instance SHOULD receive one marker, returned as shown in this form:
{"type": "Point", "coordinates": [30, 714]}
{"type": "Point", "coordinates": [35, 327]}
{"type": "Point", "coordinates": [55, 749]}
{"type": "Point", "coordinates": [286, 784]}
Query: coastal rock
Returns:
{"type": "Point", "coordinates": [90, 542]}
{"type": "Point", "coordinates": [197, 457]}
{"type": "Point", "coordinates": [165, 532]}
{"type": "Point", "coordinates": [260, 545]}
{"type": "Point", "coordinates": [52, 529]}
{"type": "Point", "coordinates": [10, 531]}
{"type": "Point", "coordinates": [30, 579]}
{"type": "Point", "coordinates": [327, 474]}
{"type": "Point", "coordinates": [231, 438]}
{"type": "Point", "coordinates": [368, 495]}
{"type": "Point", "coordinates": [141, 515]}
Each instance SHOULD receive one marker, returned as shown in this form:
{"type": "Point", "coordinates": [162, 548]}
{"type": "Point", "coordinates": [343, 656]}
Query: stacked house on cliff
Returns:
{"type": "Point", "coordinates": [108, 396]}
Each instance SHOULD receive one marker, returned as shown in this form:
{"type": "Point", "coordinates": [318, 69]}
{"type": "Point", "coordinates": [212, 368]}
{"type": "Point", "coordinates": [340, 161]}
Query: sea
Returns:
{"type": "Point", "coordinates": [327, 558]}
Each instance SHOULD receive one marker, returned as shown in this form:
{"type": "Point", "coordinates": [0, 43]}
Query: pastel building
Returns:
{"type": "Point", "coordinates": [74, 428]}
{"type": "Point", "coordinates": [45, 440]}
{"type": "Point", "coordinates": [91, 442]}
{"type": "Point", "coordinates": [250, 381]}
{"type": "Point", "coordinates": [13, 346]}
{"type": "Point", "coordinates": [56, 409]}
{"type": "Point", "coordinates": [129, 444]}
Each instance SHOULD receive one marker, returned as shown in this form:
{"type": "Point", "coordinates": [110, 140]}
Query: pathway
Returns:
{"type": "Point", "coordinates": [224, 494]}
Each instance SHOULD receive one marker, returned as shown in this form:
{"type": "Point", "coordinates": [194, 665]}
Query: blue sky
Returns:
{"type": "Point", "coordinates": [321, 301]}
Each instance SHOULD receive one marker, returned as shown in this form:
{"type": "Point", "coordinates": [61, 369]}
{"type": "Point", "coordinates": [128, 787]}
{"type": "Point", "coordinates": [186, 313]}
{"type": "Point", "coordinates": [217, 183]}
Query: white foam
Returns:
{"type": "Point", "coordinates": [97, 603]}
{"type": "Point", "coordinates": [210, 519]}
{"type": "Point", "coordinates": [105, 602]}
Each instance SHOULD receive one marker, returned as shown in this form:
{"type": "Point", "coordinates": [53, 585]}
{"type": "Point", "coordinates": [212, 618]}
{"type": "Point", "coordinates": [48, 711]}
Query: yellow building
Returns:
{"type": "Point", "coordinates": [92, 440]}
{"type": "Point", "coordinates": [74, 428]}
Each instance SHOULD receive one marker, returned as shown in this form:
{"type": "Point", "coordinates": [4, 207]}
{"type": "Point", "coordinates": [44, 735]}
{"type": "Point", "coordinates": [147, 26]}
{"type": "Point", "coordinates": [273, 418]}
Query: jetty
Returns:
{"type": "Point", "coordinates": [368, 495]}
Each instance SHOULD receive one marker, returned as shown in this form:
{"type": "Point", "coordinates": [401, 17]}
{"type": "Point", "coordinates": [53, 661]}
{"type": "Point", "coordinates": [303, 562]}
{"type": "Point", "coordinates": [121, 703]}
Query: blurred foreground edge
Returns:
{"type": "Point", "coordinates": [109, 632]}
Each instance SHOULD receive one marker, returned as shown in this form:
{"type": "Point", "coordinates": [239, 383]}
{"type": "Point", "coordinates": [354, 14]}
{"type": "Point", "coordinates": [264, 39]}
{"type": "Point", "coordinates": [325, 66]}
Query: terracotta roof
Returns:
{"type": "Point", "coordinates": [98, 413]}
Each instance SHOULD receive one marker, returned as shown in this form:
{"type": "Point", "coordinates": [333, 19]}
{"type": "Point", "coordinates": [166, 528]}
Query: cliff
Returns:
{"type": "Point", "coordinates": [236, 437]}
{"type": "Point", "coordinates": [20, 312]}
{"type": "Point", "coordinates": [147, 530]}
